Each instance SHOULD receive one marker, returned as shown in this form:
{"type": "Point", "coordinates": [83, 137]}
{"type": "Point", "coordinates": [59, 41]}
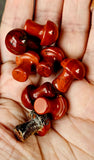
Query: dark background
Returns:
{"type": "Point", "coordinates": [2, 3]}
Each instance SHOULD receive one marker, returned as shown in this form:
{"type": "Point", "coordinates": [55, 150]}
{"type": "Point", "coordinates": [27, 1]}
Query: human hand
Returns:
{"type": "Point", "coordinates": [72, 136]}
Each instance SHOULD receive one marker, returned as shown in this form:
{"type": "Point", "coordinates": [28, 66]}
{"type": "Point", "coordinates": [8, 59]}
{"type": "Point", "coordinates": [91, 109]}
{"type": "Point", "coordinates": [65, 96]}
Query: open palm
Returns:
{"type": "Point", "coordinates": [71, 138]}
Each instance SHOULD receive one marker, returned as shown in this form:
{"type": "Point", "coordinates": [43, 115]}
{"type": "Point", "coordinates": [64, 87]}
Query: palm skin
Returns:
{"type": "Point", "coordinates": [72, 136]}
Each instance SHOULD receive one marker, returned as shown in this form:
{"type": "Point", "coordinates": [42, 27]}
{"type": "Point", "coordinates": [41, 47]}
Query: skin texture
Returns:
{"type": "Point", "coordinates": [70, 137]}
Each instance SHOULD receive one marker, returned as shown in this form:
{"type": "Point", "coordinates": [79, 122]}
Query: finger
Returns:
{"type": "Point", "coordinates": [75, 27]}
{"type": "Point", "coordinates": [15, 14]}
{"type": "Point", "coordinates": [88, 58]}
{"type": "Point", "coordinates": [11, 88]}
{"type": "Point", "coordinates": [48, 10]}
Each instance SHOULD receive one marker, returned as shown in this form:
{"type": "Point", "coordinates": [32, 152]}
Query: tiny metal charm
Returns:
{"type": "Point", "coordinates": [35, 124]}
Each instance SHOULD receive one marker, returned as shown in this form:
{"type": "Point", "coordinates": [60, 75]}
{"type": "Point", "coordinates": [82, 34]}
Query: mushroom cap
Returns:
{"type": "Point", "coordinates": [50, 34]}
{"type": "Point", "coordinates": [28, 57]}
{"type": "Point", "coordinates": [19, 74]}
{"type": "Point", "coordinates": [25, 97]}
{"type": "Point", "coordinates": [74, 67]}
{"type": "Point", "coordinates": [52, 54]}
{"type": "Point", "coordinates": [16, 41]}
{"type": "Point", "coordinates": [44, 69]}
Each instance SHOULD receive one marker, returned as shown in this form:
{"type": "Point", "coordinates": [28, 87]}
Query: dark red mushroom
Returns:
{"type": "Point", "coordinates": [57, 107]}
{"type": "Point", "coordinates": [52, 56]}
{"type": "Point", "coordinates": [27, 63]}
{"type": "Point", "coordinates": [18, 41]}
{"type": "Point", "coordinates": [47, 33]}
{"type": "Point", "coordinates": [73, 69]}
{"type": "Point", "coordinates": [30, 93]}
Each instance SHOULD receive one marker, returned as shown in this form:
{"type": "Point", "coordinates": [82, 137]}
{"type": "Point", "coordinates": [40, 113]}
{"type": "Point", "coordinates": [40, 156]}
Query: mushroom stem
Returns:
{"type": "Point", "coordinates": [63, 81]}
{"type": "Point", "coordinates": [72, 69]}
{"type": "Point", "coordinates": [47, 33]}
{"type": "Point", "coordinates": [35, 124]}
{"type": "Point", "coordinates": [24, 130]}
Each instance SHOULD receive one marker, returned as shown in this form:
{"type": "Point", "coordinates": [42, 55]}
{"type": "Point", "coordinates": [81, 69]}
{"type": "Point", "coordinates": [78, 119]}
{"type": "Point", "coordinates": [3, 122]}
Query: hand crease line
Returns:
{"type": "Point", "coordinates": [7, 140]}
{"type": "Point", "coordinates": [81, 134]}
{"type": "Point", "coordinates": [54, 151]}
{"type": "Point", "coordinates": [88, 120]}
{"type": "Point", "coordinates": [15, 117]}
{"type": "Point", "coordinates": [42, 157]}
{"type": "Point", "coordinates": [82, 150]}
{"type": "Point", "coordinates": [73, 144]}
{"type": "Point", "coordinates": [67, 141]}
{"type": "Point", "coordinates": [72, 151]}
{"type": "Point", "coordinates": [64, 140]}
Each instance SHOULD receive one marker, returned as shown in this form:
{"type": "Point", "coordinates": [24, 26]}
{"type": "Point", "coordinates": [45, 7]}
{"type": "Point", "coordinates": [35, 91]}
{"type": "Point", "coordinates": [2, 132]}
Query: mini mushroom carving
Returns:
{"type": "Point", "coordinates": [25, 97]}
{"type": "Point", "coordinates": [30, 93]}
{"type": "Point", "coordinates": [27, 63]}
{"type": "Point", "coordinates": [57, 107]}
{"type": "Point", "coordinates": [72, 69]}
{"type": "Point", "coordinates": [18, 41]}
{"type": "Point", "coordinates": [52, 56]}
{"type": "Point", "coordinates": [48, 33]}
{"type": "Point", "coordinates": [44, 68]}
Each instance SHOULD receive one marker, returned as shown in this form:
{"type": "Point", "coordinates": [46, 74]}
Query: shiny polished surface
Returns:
{"type": "Point", "coordinates": [45, 69]}
{"type": "Point", "coordinates": [57, 107]}
{"type": "Point", "coordinates": [73, 69]}
{"type": "Point", "coordinates": [52, 54]}
{"type": "Point", "coordinates": [21, 72]}
{"type": "Point", "coordinates": [27, 63]}
{"type": "Point", "coordinates": [28, 57]}
{"type": "Point", "coordinates": [18, 41]}
{"type": "Point", "coordinates": [47, 33]}
{"type": "Point", "coordinates": [45, 90]}
{"type": "Point", "coordinates": [25, 97]}
{"type": "Point", "coordinates": [30, 93]}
